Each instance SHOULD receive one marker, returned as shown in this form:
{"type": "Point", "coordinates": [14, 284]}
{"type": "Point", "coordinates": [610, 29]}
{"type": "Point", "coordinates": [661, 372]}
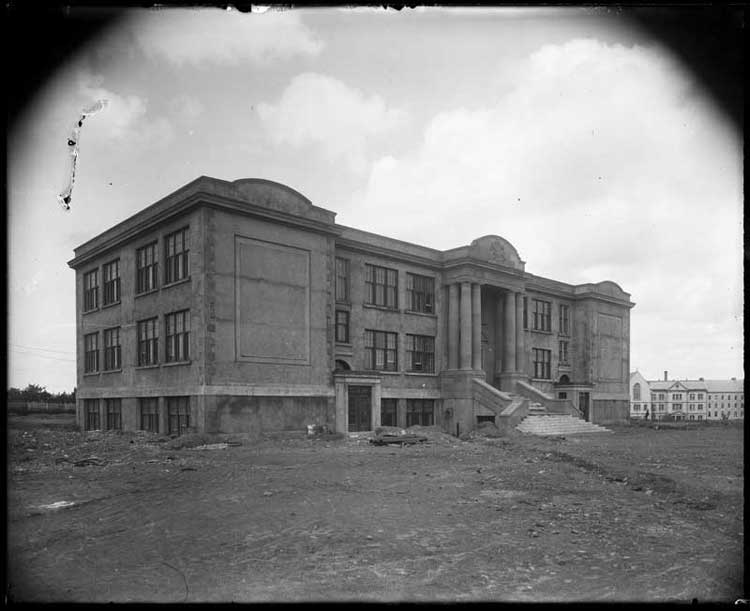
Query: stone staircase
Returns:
{"type": "Point", "coordinates": [540, 422]}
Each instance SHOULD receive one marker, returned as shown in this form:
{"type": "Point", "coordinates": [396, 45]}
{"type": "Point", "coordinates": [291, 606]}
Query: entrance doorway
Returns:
{"type": "Point", "coordinates": [583, 404]}
{"type": "Point", "coordinates": [360, 408]}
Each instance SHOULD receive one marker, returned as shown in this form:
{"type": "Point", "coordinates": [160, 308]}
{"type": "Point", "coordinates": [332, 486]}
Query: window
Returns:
{"type": "Point", "coordinates": [420, 353]}
{"type": "Point", "coordinates": [564, 320]}
{"type": "Point", "coordinates": [700, 407]}
{"type": "Point", "coordinates": [677, 396]}
{"type": "Point", "coordinates": [677, 407]}
{"type": "Point", "coordinates": [420, 411]}
{"type": "Point", "coordinates": [420, 291]}
{"type": "Point", "coordinates": [342, 280]}
{"type": "Point", "coordinates": [149, 408]}
{"type": "Point", "coordinates": [542, 363]}
{"type": "Point", "coordinates": [661, 396]}
{"type": "Point", "coordinates": [637, 391]}
{"type": "Point", "coordinates": [564, 354]}
{"type": "Point", "coordinates": [380, 351]}
{"type": "Point", "coordinates": [661, 407]}
{"type": "Point", "coordinates": [111, 278]}
{"type": "Point", "coordinates": [91, 409]}
{"type": "Point", "coordinates": [388, 412]}
{"type": "Point", "coordinates": [542, 315]}
{"type": "Point", "coordinates": [148, 339]}
{"type": "Point", "coordinates": [91, 290]}
{"type": "Point", "coordinates": [525, 312]}
{"type": "Point", "coordinates": [91, 353]}
{"type": "Point", "coordinates": [700, 396]}
{"type": "Point", "coordinates": [636, 407]}
{"type": "Point", "coordinates": [112, 349]}
{"type": "Point", "coordinates": [178, 411]}
{"type": "Point", "coordinates": [342, 326]}
{"type": "Point", "coordinates": [176, 251]}
{"type": "Point", "coordinates": [177, 345]}
{"type": "Point", "coordinates": [145, 263]}
{"type": "Point", "coordinates": [381, 286]}
{"type": "Point", "coordinates": [113, 409]}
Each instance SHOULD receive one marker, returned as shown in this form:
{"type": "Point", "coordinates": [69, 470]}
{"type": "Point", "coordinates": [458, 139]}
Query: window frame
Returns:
{"type": "Point", "coordinates": [542, 362]}
{"type": "Point", "coordinates": [151, 344]}
{"type": "Point", "coordinates": [378, 290]}
{"type": "Point", "coordinates": [112, 351]}
{"type": "Point", "coordinates": [146, 273]}
{"type": "Point", "coordinates": [542, 319]}
{"type": "Point", "coordinates": [564, 321]}
{"type": "Point", "coordinates": [563, 352]}
{"type": "Point", "coordinates": [177, 264]}
{"type": "Point", "coordinates": [389, 406]}
{"type": "Point", "coordinates": [421, 347]}
{"type": "Point", "coordinates": [152, 416]}
{"type": "Point", "coordinates": [177, 344]}
{"type": "Point", "coordinates": [420, 293]}
{"type": "Point", "coordinates": [343, 326]}
{"type": "Point", "coordinates": [91, 414]}
{"type": "Point", "coordinates": [111, 283]}
{"type": "Point", "coordinates": [417, 409]}
{"type": "Point", "coordinates": [113, 414]}
{"type": "Point", "coordinates": [342, 280]}
{"type": "Point", "coordinates": [91, 291]}
{"type": "Point", "coordinates": [178, 414]}
{"type": "Point", "coordinates": [91, 353]}
{"type": "Point", "coordinates": [377, 343]}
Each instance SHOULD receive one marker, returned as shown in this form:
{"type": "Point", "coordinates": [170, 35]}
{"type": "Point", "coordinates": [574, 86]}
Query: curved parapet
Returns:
{"type": "Point", "coordinates": [279, 197]}
{"type": "Point", "coordinates": [606, 288]}
{"type": "Point", "coordinates": [494, 249]}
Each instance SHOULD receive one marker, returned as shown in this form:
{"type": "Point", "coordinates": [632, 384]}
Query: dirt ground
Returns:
{"type": "Point", "coordinates": [637, 515]}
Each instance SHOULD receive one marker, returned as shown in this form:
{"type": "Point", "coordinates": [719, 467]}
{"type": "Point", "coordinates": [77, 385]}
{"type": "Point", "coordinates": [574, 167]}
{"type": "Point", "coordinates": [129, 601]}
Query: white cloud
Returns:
{"type": "Point", "coordinates": [186, 107]}
{"type": "Point", "coordinates": [603, 162]}
{"type": "Point", "coordinates": [204, 36]}
{"type": "Point", "coordinates": [320, 110]}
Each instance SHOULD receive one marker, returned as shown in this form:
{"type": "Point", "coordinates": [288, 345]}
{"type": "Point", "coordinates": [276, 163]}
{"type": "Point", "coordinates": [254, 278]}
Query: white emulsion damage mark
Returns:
{"type": "Point", "coordinates": [65, 196]}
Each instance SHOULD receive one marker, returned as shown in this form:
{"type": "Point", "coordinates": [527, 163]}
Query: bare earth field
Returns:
{"type": "Point", "coordinates": [638, 515]}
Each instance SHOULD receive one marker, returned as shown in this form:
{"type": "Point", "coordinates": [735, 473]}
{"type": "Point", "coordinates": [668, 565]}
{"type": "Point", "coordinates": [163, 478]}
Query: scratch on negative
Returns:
{"type": "Point", "coordinates": [187, 590]}
{"type": "Point", "coordinates": [73, 141]}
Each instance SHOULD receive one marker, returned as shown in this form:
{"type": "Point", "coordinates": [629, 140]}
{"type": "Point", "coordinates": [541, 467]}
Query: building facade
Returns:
{"type": "Point", "coordinates": [241, 307]}
{"type": "Point", "coordinates": [686, 399]}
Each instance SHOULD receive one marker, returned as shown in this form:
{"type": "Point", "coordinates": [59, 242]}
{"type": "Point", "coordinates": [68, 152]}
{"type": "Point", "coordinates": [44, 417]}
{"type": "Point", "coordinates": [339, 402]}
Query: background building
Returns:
{"type": "Point", "coordinates": [240, 306]}
{"type": "Point", "coordinates": [687, 399]}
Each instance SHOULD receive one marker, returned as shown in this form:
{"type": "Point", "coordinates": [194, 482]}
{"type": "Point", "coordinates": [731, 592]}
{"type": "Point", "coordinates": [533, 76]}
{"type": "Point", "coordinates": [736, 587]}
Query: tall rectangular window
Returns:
{"type": "Point", "coordinates": [91, 352]}
{"type": "Point", "coordinates": [342, 326]}
{"type": "Point", "coordinates": [381, 286]}
{"type": "Point", "coordinates": [111, 279]}
{"type": "Point", "coordinates": [420, 411]}
{"type": "Point", "coordinates": [420, 291]}
{"type": "Point", "coordinates": [91, 411]}
{"type": "Point", "coordinates": [91, 290]}
{"type": "Point", "coordinates": [113, 410]}
{"type": "Point", "coordinates": [342, 280]}
{"type": "Point", "coordinates": [177, 340]}
{"type": "Point", "coordinates": [564, 319]}
{"type": "Point", "coordinates": [388, 412]}
{"type": "Point", "coordinates": [112, 350]}
{"type": "Point", "coordinates": [148, 342]}
{"type": "Point", "coordinates": [146, 266]}
{"type": "Point", "coordinates": [564, 353]}
{"type": "Point", "coordinates": [149, 414]}
{"type": "Point", "coordinates": [420, 353]}
{"type": "Point", "coordinates": [176, 252]}
{"type": "Point", "coordinates": [525, 312]}
{"type": "Point", "coordinates": [542, 363]}
{"type": "Point", "coordinates": [380, 350]}
{"type": "Point", "coordinates": [542, 315]}
{"type": "Point", "coordinates": [178, 414]}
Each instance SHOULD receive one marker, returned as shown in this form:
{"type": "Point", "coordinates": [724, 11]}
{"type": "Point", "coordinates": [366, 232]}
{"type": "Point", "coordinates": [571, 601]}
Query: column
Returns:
{"type": "Point", "coordinates": [509, 354]}
{"type": "Point", "coordinates": [499, 335]}
{"type": "Point", "coordinates": [520, 343]}
{"type": "Point", "coordinates": [476, 326]}
{"type": "Point", "coordinates": [465, 325]}
{"type": "Point", "coordinates": [453, 326]}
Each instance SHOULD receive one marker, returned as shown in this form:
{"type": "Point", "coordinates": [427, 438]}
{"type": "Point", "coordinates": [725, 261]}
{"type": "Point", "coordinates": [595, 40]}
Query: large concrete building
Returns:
{"type": "Point", "coordinates": [241, 307]}
{"type": "Point", "coordinates": [686, 399]}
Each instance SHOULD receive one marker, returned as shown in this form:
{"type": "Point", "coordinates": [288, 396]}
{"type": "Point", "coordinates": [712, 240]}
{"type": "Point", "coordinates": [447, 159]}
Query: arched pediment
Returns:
{"type": "Point", "coordinates": [274, 195]}
{"type": "Point", "coordinates": [494, 249]}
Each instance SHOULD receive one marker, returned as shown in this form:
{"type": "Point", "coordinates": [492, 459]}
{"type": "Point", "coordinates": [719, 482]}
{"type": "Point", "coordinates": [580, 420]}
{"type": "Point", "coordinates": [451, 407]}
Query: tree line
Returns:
{"type": "Point", "coordinates": [37, 393]}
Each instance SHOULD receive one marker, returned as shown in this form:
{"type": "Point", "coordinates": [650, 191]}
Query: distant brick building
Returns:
{"type": "Point", "coordinates": [687, 399]}
{"type": "Point", "coordinates": [240, 306]}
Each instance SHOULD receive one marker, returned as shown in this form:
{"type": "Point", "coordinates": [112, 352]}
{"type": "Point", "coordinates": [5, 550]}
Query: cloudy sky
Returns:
{"type": "Point", "coordinates": [568, 132]}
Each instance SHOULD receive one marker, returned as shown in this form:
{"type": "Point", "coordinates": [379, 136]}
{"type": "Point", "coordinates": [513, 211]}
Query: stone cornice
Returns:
{"type": "Point", "coordinates": [388, 253]}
